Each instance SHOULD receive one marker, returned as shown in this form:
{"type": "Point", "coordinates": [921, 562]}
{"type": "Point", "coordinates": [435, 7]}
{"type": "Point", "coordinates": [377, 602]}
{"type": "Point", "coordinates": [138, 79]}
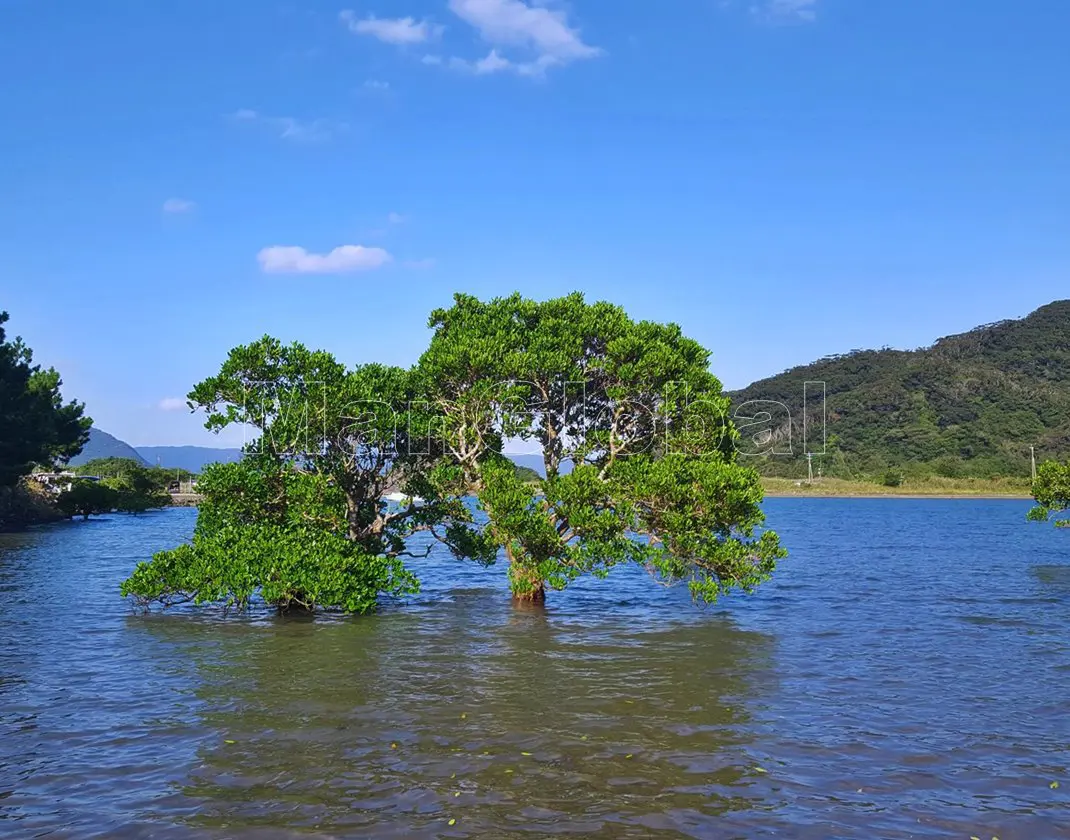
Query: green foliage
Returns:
{"type": "Point", "coordinates": [114, 467]}
{"type": "Point", "coordinates": [892, 478]}
{"type": "Point", "coordinates": [108, 467]}
{"type": "Point", "coordinates": [137, 488]}
{"type": "Point", "coordinates": [301, 521]}
{"type": "Point", "coordinates": [527, 474]}
{"type": "Point", "coordinates": [36, 426]}
{"type": "Point", "coordinates": [1051, 489]}
{"type": "Point", "coordinates": [274, 532]}
{"type": "Point", "coordinates": [157, 479]}
{"type": "Point", "coordinates": [137, 491]}
{"type": "Point", "coordinates": [970, 406]}
{"type": "Point", "coordinates": [86, 498]}
{"type": "Point", "coordinates": [1038, 514]}
{"type": "Point", "coordinates": [656, 481]}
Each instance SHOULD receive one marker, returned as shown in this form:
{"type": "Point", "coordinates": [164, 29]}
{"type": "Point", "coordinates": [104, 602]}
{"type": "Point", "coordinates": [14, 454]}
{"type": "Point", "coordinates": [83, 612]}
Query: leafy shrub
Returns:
{"type": "Point", "coordinates": [892, 478]}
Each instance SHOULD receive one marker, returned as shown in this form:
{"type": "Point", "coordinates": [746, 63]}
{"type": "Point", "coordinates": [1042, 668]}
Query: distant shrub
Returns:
{"type": "Point", "coordinates": [892, 478]}
{"type": "Point", "coordinates": [86, 498]}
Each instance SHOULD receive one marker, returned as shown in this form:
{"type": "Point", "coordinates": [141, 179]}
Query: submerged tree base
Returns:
{"type": "Point", "coordinates": [294, 608]}
{"type": "Point", "coordinates": [534, 596]}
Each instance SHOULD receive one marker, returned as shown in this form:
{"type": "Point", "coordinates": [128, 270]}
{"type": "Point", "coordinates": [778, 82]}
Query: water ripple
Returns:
{"type": "Point", "coordinates": [904, 676]}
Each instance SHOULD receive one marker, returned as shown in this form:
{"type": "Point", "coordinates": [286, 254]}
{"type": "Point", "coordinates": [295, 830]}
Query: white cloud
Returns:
{"type": "Point", "coordinates": [172, 404]}
{"type": "Point", "coordinates": [291, 259]}
{"type": "Point", "coordinates": [179, 205]}
{"type": "Point", "coordinates": [376, 84]}
{"type": "Point", "coordinates": [494, 63]}
{"type": "Point", "coordinates": [513, 23]}
{"type": "Point", "coordinates": [401, 31]}
{"type": "Point", "coordinates": [291, 128]}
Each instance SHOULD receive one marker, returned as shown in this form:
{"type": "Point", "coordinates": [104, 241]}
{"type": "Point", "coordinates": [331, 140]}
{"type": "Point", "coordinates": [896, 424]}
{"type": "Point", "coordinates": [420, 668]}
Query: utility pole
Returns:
{"type": "Point", "coordinates": [1033, 460]}
{"type": "Point", "coordinates": [810, 467]}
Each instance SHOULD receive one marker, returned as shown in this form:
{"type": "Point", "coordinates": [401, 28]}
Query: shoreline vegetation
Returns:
{"type": "Point", "coordinates": [26, 505]}
{"type": "Point", "coordinates": [935, 487]}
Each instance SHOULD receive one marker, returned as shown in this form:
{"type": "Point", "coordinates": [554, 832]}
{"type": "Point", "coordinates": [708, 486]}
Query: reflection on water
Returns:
{"type": "Point", "coordinates": [491, 718]}
{"type": "Point", "coordinates": [905, 676]}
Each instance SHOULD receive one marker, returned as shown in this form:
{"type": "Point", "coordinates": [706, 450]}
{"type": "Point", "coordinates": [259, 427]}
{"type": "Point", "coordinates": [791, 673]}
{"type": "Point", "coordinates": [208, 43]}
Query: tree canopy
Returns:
{"type": "Point", "coordinates": [36, 425]}
{"type": "Point", "coordinates": [1051, 490]}
{"type": "Point", "coordinates": [302, 520]}
{"type": "Point", "coordinates": [160, 478]}
{"type": "Point", "coordinates": [633, 406]}
{"type": "Point", "coordinates": [137, 491]}
{"type": "Point", "coordinates": [87, 498]}
{"type": "Point", "coordinates": [306, 520]}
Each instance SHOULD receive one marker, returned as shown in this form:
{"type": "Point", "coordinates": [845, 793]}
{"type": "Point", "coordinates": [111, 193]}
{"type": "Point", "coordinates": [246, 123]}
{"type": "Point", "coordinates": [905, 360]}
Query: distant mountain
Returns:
{"type": "Point", "coordinates": [192, 458]}
{"type": "Point", "coordinates": [535, 462]}
{"type": "Point", "coordinates": [971, 404]}
{"type": "Point", "coordinates": [103, 445]}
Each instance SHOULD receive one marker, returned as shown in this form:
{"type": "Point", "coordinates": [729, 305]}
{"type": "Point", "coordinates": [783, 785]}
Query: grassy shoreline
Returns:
{"type": "Point", "coordinates": [930, 488]}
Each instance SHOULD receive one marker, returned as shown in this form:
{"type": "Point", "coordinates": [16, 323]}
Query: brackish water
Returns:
{"type": "Point", "coordinates": [907, 674]}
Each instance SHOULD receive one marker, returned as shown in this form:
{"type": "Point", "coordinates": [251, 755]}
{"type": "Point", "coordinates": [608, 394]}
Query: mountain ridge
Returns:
{"type": "Point", "coordinates": [103, 445]}
{"type": "Point", "coordinates": [968, 404]}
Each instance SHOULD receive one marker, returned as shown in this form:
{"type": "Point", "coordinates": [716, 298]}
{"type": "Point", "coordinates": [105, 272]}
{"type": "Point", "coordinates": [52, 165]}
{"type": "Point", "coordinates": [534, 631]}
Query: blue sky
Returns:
{"type": "Point", "coordinates": [784, 178]}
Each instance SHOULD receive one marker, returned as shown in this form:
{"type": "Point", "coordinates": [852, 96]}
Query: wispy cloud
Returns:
{"type": "Point", "coordinates": [544, 34]}
{"type": "Point", "coordinates": [400, 31]}
{"type": "Point", "coordinates": [427, 262]}
{"type": "Point", "coordinates": [377, 85]}
{"type": "Point", "coordinates": [292, 128]}
{"type": "Point", "coordinates": [291, 259]}
{"type": "Point", "coordinates": [172, 404]}
{"type": "Point", "coordinates": [396, 218]}
{"type": "Point", "coordinates": [494, 62]}
{"type": "Point", "coordinates": [786, 11]}
{"type": "Point", "coordinates": [179, 205]}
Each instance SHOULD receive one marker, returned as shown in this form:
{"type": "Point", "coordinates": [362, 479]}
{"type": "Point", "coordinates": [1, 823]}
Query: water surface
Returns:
{"type": "Point", "coordinates": [906, 675]}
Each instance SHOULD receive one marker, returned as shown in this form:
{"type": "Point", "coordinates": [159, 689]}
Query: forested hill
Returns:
{"type": "Point", "coordinates": [972, 404]}
{"type": "Point", "coordinates": [103, 445]}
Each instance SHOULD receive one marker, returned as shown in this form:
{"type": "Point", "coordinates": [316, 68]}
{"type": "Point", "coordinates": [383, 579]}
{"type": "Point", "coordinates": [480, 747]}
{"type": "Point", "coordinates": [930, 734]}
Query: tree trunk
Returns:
{"type": "Point", "coordinates": [535, 595]}
{"type": "Point", "coordinates": [293, 607]}
{"type": "Point", "coordinates": [525, 583]}
{"type": "Point", "coordinates": [353, 516]}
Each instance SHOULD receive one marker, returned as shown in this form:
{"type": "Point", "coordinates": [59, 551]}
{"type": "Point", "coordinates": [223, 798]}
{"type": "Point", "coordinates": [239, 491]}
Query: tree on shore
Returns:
{"type": "Point", "coordinates": [36, 425]}
{"type": "Point", "coordinates": [161, 477]}
{"type": "Point", "coordinates": [137, 491]}
{"type": "Point", "coordinates": [1051, 490]}
{"type": "Point", "coordinates": [87, 498]}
